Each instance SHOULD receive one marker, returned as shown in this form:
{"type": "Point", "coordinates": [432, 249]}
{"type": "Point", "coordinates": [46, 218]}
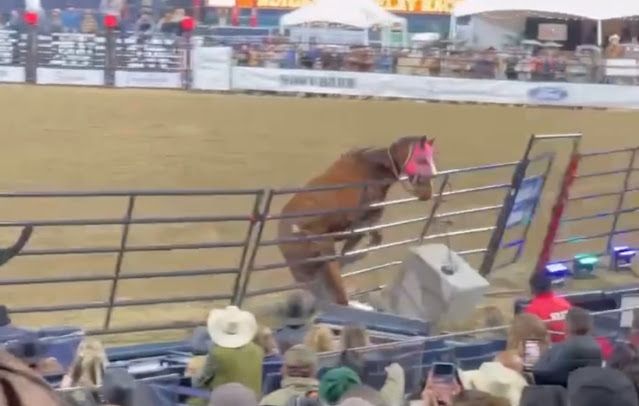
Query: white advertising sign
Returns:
{"type": "Point", "coordinates": [61, 76]}
{"type": "Point", "coordinates": [431, 88]}
{"type": "Point", "coordinates": [163, 80]}
{"type": "Point", "coordinates": [211, 67]}
{"type": "Point", "coordinates": [12, 74]}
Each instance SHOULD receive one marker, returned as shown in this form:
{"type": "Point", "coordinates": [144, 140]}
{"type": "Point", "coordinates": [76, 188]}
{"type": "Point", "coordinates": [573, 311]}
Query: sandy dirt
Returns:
{"type": "Point", "coordinates": [96, 139]}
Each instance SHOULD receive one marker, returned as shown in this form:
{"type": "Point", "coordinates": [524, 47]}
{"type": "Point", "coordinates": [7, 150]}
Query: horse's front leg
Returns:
{"type": "Point", "coordinates": [333, 273]}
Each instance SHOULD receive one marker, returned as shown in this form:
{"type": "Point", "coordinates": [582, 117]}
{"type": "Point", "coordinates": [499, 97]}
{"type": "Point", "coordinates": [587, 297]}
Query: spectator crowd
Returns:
{"type": "Point", "coordinates": [552, 357]}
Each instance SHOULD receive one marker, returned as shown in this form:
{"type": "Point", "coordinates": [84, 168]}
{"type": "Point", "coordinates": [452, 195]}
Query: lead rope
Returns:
{"type": "Point", "coordinates": [396, 170]}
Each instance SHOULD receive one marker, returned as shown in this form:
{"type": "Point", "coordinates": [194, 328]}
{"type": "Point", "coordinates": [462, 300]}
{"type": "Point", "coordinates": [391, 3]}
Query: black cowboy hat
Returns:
{"type": "Point", "coordinates": [299, 309]}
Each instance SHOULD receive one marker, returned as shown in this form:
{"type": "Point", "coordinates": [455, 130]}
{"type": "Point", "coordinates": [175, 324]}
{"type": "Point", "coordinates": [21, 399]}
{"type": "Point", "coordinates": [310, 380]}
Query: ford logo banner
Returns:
{"type": "Point", "coordinates": [548, 93]}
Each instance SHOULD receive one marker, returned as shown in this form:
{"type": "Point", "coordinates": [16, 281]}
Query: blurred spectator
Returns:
{"type": "Point", "coordinates": [527, 326]}
{"type": "Point", "coordinates": [304, 401]}
{"type": "Point", "coordinates": [623, 355]}
{"type": "Point", "coordinates": [335, 383]}
{"type": "Point", "coordinates": [546, 395]}
{"type": "Point", "coordinates": [233, 357]}
{"type": "Point", "coordinates": [7, 329]}
{"type": "Point", "coordinates": [580, 349]}
{"type": "Point", "coordinates": [365, 394]}
{"type": "Point", "coordinates": [233, 394]}
{"type": "Point", "coordinates": [298, 313]}
{"type": "Point", "coordinates": [614, 49]}
{"type": "Point", "coordinates": [121, 389]}
{"type": "Point", "coordinates": [33, 352]}
{"type": "Point", "coordinates": [265, 339]}
{"type": "Point", "coordinates": [200, 346]}
{"type": "Point", "coordinates": [478, 398]}
{"type": "Point", "coordinates": [501, 378]}
{"type": "Point", "coordinates": [55, 21]}
{"type": "Point", "coordinates": [320, 338]}
{"type": "Point", "coordinates": [22, 386]}
{"type": "Point", "coordinates": [88, 367]}
{"type": "Point", "coordinates": [632, 372]}
{"type": "Point", "coordinates": [71, 19]}
{"type": "Point", "coordinates": [548, 306]}
{"type": "Point", "coordinates": [89, 24]}
{"type": "Point", "coordinates": [298, 376]}
{"type": "Point", "coordinates": [593, 386]}
{"type": "Point", "coordinates": [354, 337]}
{"type": "Point", "coordinates": [145, 23]}
{"type": "Point", "coordinates": [15, 21]}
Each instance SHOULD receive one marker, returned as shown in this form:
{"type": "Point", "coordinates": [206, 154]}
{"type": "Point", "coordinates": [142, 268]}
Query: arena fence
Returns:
{"type": "Point", "coordinates": [236, 252]}
{"type": "Point", "coordinates": [592, 217]}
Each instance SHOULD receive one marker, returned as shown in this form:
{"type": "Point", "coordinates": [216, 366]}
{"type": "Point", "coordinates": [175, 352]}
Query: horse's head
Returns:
{"type": "Point", "coordinates": [413, 157]}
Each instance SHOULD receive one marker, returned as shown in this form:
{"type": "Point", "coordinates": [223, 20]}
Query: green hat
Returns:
{"type": "Point", "coordinates": [336, 382]}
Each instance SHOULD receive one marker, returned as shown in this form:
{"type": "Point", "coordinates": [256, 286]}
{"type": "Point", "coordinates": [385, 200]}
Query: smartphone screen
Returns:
{"type": "Point", "coordinates": [532, 351]}
{"type": "Point", "coordinates": [442, 380]}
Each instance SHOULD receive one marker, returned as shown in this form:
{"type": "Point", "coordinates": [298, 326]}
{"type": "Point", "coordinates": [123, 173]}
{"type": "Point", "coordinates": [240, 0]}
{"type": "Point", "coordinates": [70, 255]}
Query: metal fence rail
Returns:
{"type": "Point", "coordinates": [251, 275]}
{"type": "Point", "coordinates": [618, 202]}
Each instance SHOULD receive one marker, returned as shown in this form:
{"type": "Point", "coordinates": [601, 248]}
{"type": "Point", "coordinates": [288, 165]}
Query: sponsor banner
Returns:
{"type": "Point", "coordinates": [12, 74]}
{"type": "Point", "coordinates": [432, 88]}
{"type": "Point", "coordinates": [401, 6]}
{"type": "Point", "coordinates": [61, 76]}
{"type": "Point", "coordinates": [163, 80]}
{"type": "Point", "coordinates": [211, 68]}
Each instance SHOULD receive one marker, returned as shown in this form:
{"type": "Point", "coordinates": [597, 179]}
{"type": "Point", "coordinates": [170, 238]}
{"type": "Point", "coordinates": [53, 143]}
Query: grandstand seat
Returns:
{"type": "Point", "coordinates": [472, 349]}
{"type": "Point", "coordinates": [446, 354]}
{"type": "Point", "coordinates": [593, 301]}
{"type": "Point", "coordinates": [58, 331]}
{"type": "Point", "coordinates": [63, 348]}
{"type": "Point", "coordinates": [15, 335]}
{"type": "Point", "coordinates": [499, 344]}
{"type": "Point", "coordinates": [471, 363]}
{"type": "Point", "coordinates": [146, 350]}
{"type": "Point", "coordinates": [272, 382]}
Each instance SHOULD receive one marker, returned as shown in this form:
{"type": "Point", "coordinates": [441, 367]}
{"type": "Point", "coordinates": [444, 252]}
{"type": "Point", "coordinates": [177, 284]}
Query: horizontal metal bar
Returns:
{"type": "Point", "coordinates": [110, 277]}
{"type": "Point", "coordinates": [268, 291]}
{"type": "Point", "coordinates": [119, 303]}
{"type": "Point", "coordinates": [359, 185]}
{"type": "Point", "coordinates": [178, 325]}
{"type": "Point", "coordinates": [372, 268]}
{"type": "Point", "coordinates": [608, 152]}
{"type": "Point", "coordinates": [472, 252]}
{"type": "Point", "coordinates": [596, 236]}
{"type": "Point", "coordinates": [140, 248]}
{"type": "Point", "coordinates": [556, 136]}
{"type": "Point", "coordinates": [595, 196]}
{"type": "Point", "coordinates": [121, 221]}
{"type": "Point", "coordinates": [127, 193]}
{"type": "Point", "coordinates": [605, 173]}
{"type": "Point", "coordinates": [598, 215]}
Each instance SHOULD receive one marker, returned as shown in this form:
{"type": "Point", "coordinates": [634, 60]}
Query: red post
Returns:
{"type": "Point", "coordinates": [235, 16]}
{"type": "Point", "coordinates": [557, 212]}
{"type": "Point", "coordinates": [253, 19]}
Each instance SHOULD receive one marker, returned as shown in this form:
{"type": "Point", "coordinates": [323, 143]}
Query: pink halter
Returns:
{"type": "Point", "coordinates": [420, 160]}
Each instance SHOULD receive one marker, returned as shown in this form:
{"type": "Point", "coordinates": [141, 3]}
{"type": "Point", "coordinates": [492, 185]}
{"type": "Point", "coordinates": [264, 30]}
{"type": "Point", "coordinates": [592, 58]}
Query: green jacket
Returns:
{"type": "Point", "coordinates": [227, 365]}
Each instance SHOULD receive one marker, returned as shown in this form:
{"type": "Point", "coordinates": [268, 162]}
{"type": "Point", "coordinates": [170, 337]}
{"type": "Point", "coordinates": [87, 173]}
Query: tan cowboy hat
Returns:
{"type": "Point", "coordinates": [614, 38]}
{"type": "Point", "coordinates": [231, 327]}
{"type": "Point", "coordinates": [494, 378]}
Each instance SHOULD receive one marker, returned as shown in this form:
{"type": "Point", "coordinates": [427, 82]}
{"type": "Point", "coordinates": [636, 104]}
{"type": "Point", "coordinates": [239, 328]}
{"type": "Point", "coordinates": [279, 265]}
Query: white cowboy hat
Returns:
{"type": "Point", "coordinates": [494, 378]}
{"type": "Point", "coordinates": [614, 37]}
{"type": "Point", "coordinates": [231, 327]}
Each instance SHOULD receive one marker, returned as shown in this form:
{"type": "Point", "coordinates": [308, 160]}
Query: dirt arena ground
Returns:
{"type": "Point", "coordinates": [91, 139]}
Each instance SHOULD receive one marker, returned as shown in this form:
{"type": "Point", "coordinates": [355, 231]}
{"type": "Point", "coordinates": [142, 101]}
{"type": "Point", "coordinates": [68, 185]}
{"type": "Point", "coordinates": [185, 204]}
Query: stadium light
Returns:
{"type": "Point", "coordinates": [188, 24]}
{"type": "Point", "coordinates": [622, 257]}
{"type": "Point", "coordinates": [583, 265]}
{"type": "Point", "coordinates": [31, 18]}
{"type": "Point", "coordinates": [110, 21]}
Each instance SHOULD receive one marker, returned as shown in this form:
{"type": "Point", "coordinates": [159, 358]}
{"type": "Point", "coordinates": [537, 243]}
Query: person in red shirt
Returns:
{"type": "Point", "coordinates": [548, 306]}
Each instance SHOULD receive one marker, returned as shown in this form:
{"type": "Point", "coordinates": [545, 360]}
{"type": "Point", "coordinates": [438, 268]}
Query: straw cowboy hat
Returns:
{"type": "Point", "coordinates": [494, 378]}
{"type": "Point", "coordinates": [614, 38]}
{"type": "Point", "coordinates": [231, 327]}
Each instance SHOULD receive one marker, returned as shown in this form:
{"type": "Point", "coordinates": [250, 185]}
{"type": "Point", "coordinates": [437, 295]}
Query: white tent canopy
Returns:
{"type": "Point", "coordinates": [359, 14]}
{"type": "Point", "coordinates": [354, 13]}
{"type": "Point", "coordinates": [586, 9]}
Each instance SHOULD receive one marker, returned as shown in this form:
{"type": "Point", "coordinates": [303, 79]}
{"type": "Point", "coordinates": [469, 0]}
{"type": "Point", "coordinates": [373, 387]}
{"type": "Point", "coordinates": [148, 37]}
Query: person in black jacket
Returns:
{"type": "Point", "coordinates": [580, 349]}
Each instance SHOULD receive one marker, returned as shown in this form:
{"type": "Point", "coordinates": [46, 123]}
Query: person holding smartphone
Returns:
{"type": "Point", "coordinates": [442, 385]}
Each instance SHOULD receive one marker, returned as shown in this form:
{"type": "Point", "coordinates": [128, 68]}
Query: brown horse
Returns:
{"type": "Point", "coordinates": [340, 210]}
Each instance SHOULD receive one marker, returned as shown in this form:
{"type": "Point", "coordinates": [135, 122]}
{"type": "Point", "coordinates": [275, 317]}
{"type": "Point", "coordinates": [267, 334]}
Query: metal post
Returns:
{"type": "Point", "coordinates": [433, 210]}
{"type": "Point", "coordinates": [187, 79]}
{"type": "Point", "coordinates": [262, 219]}
{"type": "Point", "coordinates": [118, 262]}
{"type": "Point", "coordinates": [31, 57]}
{"type": "Point", "coordinates": [110, 63]}
{"type": "Point", "coordinates": [620, 202]}
{"type": "Point", "coordinates": [256, 219]}
{"type": "Point", "coordinates": [509, 202]}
